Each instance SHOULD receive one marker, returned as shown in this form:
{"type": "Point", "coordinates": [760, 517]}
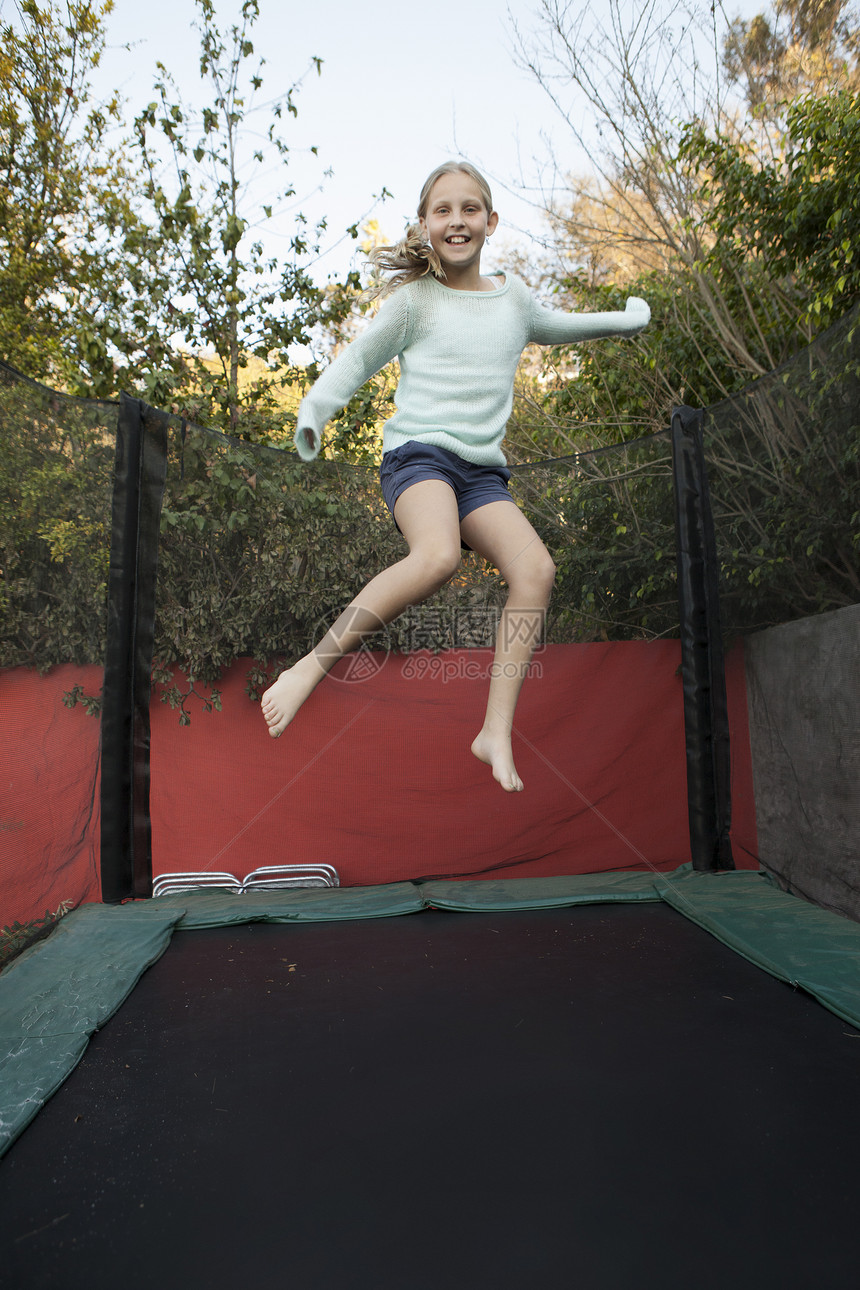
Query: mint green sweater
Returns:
{"type": "Point", "coordinates": [458, 353]}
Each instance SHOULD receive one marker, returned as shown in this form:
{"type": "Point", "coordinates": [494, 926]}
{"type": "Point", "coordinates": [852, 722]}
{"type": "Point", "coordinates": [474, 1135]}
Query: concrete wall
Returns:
{"type": "Point", "coordinates": [803, 683]}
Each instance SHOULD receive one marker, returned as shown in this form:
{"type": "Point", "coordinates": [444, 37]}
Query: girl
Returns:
{"type": "Point", "coordinates": [458, 336]}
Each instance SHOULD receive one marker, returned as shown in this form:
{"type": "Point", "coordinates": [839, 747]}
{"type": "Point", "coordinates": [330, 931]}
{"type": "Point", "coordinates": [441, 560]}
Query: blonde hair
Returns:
{"type": "Point", "coordinates": [413, 257]}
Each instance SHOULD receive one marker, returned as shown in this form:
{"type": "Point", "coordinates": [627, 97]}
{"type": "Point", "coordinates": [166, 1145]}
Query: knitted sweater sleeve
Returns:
{"type": "Point", "coordinates": [550, 327]}
{"type": "Point", "coordinates": [382, 341]}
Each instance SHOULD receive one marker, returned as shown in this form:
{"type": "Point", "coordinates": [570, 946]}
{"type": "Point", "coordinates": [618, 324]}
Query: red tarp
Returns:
{"type": "Point", "coordinates": [49, 793]}
{"type": "Point", "coordinates": [374, 776]}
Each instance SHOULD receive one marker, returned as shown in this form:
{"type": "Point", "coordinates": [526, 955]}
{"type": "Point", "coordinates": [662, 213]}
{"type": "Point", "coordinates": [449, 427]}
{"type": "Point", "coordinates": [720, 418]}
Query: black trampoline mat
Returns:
{"type": "Point", "coordinates": [598, 1096]}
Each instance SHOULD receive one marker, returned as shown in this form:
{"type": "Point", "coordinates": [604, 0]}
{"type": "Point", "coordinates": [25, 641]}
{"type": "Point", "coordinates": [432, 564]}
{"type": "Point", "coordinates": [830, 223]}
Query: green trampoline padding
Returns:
{"type": "Point", "coordinates": [56, 994]}
{"type": "Point", "coordinates": [539, 893]}
{"type": "Point", "coordinates": [219, 907]}
{"type": "Point", "coordinates": [791, 939]}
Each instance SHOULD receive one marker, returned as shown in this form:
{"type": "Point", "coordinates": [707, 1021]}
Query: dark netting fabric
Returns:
{"type": "Point", "coordinates": [56, 471]}
{"type": "Point", "coordinates": [259, 553]}
{"type": "Point", "coordinates": [784, 466]}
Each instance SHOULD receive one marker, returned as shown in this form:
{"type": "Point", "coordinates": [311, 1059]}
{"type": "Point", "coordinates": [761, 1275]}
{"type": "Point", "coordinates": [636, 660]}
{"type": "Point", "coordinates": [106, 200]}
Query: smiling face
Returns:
{"type": "Point", "coordinates": [457, 223]}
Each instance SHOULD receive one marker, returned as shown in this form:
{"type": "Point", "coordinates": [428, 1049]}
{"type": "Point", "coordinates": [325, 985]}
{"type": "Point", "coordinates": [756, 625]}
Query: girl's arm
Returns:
{"type": "Point", "coordinates": [362, 358]}
{"type": "Point", "coordinates": [549, 327]}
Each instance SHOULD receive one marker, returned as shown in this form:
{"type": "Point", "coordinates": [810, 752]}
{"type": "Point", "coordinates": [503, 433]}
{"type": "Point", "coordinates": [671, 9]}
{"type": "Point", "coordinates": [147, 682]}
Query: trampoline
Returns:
{"type": "Point", "coordinates": [600, 1094]}
{"type": "Point", "coordinates": [564, 1042]}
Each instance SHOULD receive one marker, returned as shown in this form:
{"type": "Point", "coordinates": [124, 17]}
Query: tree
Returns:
{"type": "Point", "coordinates": [742, 229]}
{"type": "Point", "coordinates": [54, 182]}
{"type": "Point", "coordinates": [157, 282]}
{"type": "Point", "coordinates": [799, 47]}
{"type": "Point", "coordinates": [83, 278]}
{"type": "Point", "coordinates": [229, 300]}
{"type": "Point", "coordinates": [796, 219]}
{"type": "Point", "coordinates": [674, 203]}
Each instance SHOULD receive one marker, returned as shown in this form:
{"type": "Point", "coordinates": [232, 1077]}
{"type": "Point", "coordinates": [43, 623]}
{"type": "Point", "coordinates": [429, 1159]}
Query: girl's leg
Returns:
{"type": "Point", "coordinates": [427, 516]}
{"type": "Point", "coordinates": [501, 534]}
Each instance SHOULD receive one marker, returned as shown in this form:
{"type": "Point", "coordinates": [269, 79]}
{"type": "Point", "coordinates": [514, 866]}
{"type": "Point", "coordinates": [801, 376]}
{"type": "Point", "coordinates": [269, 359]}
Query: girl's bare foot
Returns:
{"type": "Point", "coordinates": [495, 751]}
{"type": "Point", "coordinates": [282, 700]}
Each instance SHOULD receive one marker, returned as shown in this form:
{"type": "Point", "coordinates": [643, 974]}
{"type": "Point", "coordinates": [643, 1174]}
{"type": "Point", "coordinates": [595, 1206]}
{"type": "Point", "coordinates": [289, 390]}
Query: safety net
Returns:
{"type": "Point", "coordinates": [260, 553]}
{"type": "Point", "coordinates": [783, 462]}
{"type": "Point", "coordinates": [56, 479]}
{"type": "Point", "coordinates": [251, 555]}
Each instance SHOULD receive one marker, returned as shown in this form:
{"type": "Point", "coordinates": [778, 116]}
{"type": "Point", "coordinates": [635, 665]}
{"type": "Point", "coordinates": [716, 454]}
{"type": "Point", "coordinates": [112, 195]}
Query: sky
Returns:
{"type": "Point", "coordinates": [404, 86]}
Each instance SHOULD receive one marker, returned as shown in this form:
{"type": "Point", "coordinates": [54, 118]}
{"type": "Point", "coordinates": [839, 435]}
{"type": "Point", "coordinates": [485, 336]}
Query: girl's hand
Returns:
{"type": "Point", "coordinates": [635, 305]}
{"type": "Point", "coordinates": [307, 443]}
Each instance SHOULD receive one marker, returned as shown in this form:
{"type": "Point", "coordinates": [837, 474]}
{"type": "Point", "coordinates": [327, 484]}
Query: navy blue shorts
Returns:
{"type": "Point", "coordinates": [473, 485]}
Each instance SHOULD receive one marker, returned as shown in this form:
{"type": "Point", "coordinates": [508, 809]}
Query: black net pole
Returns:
{"type": "Point", "coordinates": [140, 472]}
{"type": "Point", "coordinates": [706, 720]}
